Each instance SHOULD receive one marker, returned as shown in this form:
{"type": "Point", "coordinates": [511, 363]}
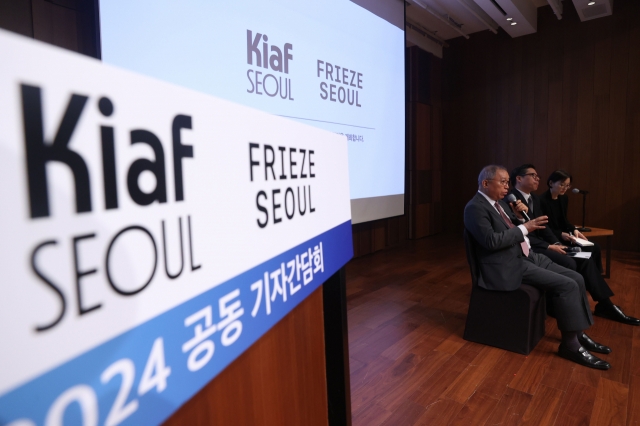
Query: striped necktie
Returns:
{"type": "Point", "coordinates": [507, 221]}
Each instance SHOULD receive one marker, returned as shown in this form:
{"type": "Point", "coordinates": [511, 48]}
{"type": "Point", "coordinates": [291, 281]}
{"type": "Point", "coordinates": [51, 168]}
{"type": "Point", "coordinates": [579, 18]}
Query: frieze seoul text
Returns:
{"type": "Point", "coordinates": [343, 91]}
{"type": "Point", "coordinates": [292, 163]}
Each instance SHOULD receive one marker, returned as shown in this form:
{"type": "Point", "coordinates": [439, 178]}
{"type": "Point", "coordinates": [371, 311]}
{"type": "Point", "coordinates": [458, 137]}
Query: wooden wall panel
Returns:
{"type": "Point", "coordinates": [424, 143]}
{"type": "Point", "coordinates": [376, 235]}
{"type": "Point", "coordinates": [423, 187]}
{"type": "Point", "coordinates": [436, 142]}
{"type": "Point", "coordinates": [70, 24]}
{"type": "Point", "coordinates": [55, 24]}
{"type": "Point", "coordinates": [15, 15]}
{"type": "Point", "coordinates": [280, 380]}
{"type": "Point", "coordinates": [420, 147]}
{"type": "Point", "coordinates": [601, 126]}
{"type": "Point", "coordinates": [631, 201]}
{"type": "Point", "coordinates": [566, 97]}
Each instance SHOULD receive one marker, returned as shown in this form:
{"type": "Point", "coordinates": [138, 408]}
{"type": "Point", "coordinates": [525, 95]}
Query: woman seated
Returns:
{"type": "Point", "coordinates": [554, 204]}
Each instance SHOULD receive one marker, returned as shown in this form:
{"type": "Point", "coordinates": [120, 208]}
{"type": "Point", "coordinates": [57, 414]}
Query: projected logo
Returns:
{"type": "Point", "coordinates": [272, 58]}
{"type": "Point", "coordinates": [340, 84]}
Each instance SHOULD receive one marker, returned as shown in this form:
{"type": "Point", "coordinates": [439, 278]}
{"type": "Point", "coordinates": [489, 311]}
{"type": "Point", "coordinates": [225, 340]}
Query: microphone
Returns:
{"type": "Point", "coordinates": [512, 199]}
{"type": "Point", "coordinates": [579, 191]}
{"type": "Point", "coordinates": [584, 208]}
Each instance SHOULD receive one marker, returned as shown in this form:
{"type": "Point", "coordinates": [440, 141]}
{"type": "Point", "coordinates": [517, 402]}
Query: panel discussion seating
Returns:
{"type": "Point", "coordinates": [511, 320]}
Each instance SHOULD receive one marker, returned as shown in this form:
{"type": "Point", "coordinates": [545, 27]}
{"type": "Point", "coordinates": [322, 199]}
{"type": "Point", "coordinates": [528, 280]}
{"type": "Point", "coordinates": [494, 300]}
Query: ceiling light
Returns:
{"type": "Point", "coordinates": [514, 23]}
{"type": "Point", "coordinates": [509, 19]}
{"type": "Point", "coordinates": [591, 3]}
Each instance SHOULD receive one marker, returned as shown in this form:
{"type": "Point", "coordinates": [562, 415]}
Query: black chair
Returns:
{"type": "Point", "coordinates": [511, 320]}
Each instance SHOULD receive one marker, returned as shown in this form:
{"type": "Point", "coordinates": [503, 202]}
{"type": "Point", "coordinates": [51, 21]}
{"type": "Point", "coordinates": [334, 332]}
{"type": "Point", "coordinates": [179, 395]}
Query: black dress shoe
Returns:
{"type": "Point", "coordinates": [583, 357]}
{"type": "Point", "coordinates": [592, 346]}
{"type": "Point", "coordinates": [615, 313]}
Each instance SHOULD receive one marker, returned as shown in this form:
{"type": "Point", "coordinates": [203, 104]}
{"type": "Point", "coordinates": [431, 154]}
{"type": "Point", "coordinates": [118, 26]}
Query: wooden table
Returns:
{"type": "Point", "coordinates": [600, 232]}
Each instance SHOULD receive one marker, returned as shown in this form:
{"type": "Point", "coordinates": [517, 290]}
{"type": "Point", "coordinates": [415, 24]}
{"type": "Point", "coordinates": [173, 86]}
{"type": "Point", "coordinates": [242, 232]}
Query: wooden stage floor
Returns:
{"type": "Point", "coordinates": [409, 364]}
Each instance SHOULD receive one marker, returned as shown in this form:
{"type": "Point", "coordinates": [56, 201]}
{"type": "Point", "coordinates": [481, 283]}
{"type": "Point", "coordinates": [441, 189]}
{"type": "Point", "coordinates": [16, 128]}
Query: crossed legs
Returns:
{"type": "Point", "coordinates": [571, 306]}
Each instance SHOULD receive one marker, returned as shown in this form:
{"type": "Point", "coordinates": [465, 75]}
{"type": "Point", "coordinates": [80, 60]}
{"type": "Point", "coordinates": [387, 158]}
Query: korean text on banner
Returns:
{"type": "Point", "coordinates": [150, 233]}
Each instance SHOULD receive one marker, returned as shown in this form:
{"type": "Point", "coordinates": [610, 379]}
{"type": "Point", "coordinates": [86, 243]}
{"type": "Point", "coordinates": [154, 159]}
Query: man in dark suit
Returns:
{"type": "Point", "coordinates": [506, 260]}
{"type": "Point", "coordinates": [524, 181]}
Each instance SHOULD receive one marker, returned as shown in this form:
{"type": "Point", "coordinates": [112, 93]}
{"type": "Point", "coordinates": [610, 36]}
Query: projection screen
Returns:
{"type": "Point", "coordinates": [335, 64]}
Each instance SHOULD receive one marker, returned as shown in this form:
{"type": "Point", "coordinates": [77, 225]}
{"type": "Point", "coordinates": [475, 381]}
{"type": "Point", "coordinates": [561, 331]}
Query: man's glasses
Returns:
{"type": "Point", "coordinates": [533, 175]}
{"type": "Point", "coordinates": [502, 182]}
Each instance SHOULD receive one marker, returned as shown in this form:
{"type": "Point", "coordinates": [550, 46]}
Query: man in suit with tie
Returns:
{"type": "Point", "coordinates": [524, 181]}
{"type": "Point", "coordinates": [506, 260]}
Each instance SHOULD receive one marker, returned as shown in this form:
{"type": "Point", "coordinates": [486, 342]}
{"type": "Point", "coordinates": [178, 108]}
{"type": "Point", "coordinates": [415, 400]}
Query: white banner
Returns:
{"type": "Point", "coordinates": [132, 204]}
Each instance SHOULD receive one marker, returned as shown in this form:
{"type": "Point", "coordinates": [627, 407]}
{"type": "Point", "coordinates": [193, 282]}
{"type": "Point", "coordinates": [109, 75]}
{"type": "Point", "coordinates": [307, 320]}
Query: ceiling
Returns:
{"type": "Point", "coordinates": [467, 13]}
{"type": "Point", "coordinates": [456, 10]}
{"type": "Point", "coordinates": [430, 23]}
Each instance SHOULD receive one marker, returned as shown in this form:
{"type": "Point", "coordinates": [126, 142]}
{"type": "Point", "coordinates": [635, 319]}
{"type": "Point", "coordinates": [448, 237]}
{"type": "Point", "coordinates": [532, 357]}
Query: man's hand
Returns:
{"type": "Point", "coordinates": [557, 248]}
{"type": "Point", "coordinates": [536, 223]}
{"type": "Point", "coordinates": [518, 207]}
{"type": "Point", "coordinates": [568, 237]}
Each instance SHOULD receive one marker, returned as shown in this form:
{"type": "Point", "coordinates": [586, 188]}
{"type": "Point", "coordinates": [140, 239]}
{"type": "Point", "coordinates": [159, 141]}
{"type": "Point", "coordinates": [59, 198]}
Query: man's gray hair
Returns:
{"type": "Point", "coordinates": [488, 173]}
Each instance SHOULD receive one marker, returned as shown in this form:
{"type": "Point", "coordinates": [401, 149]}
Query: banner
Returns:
{"type": "Point", "coordinates": [151, 234]}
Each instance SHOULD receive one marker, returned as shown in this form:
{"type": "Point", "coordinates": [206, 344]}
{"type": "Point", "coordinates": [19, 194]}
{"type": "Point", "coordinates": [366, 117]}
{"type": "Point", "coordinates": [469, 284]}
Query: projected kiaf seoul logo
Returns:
{"type": "Point", "coordinates": [274, 60]}
{"type": "Point", "coordinates": [140, 234]}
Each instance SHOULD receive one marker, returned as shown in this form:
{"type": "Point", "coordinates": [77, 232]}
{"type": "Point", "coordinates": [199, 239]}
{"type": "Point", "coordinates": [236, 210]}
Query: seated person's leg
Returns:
{"type": "Point", "coordinates": [596, 254]}
{"type": "Point", "coordinates": [593, 281]}
{"type": "Point", "coordinates": [559, 258]}
{"type": "Point", "coordinates": [568, 295]}
{"type": "Point", "coordinates": [569, 298]}
{"type": "Point", "coordinates": [562, 260]}
{"type": "Point", "coordinates": [601, 293]}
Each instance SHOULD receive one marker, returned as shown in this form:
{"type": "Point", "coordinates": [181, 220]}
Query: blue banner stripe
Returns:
{"type": "Point", "coordinates": [147, 373]}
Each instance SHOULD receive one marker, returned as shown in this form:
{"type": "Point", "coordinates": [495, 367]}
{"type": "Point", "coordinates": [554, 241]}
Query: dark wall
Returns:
{"type": "Point", "coordinates": [423, 161]}
{"type": "Point", "coordinates": [424, 142]}
{"type": "Point", "coordinates": [71, 24]}
{"type": "Point", "coordinates": [565, 97]}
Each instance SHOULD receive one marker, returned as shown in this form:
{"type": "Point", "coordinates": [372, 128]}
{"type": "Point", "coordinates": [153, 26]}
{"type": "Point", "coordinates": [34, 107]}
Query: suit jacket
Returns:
{"type": "Point", "coordinates": [541, 238]}
{"type": "Point", "coordinates": [500, 257]}
{"type": "Point", "coordinates": [557, 224]}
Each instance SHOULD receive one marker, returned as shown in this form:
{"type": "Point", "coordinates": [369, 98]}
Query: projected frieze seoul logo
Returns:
{"type": "Point", "coordinates": [347, 89]}
{"type": "Point", "coordinates": [273, 59]}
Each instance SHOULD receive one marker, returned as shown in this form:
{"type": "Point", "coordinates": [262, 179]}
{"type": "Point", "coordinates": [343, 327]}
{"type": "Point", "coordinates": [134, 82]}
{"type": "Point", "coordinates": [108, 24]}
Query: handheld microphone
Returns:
{"type": "Point", "coordinates": [579, 191]}
{"type": "Point", "coordinates": [512, 199]}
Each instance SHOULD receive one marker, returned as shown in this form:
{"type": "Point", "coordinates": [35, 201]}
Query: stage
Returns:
{"type": "Point", "coordinates": [409, 364]}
